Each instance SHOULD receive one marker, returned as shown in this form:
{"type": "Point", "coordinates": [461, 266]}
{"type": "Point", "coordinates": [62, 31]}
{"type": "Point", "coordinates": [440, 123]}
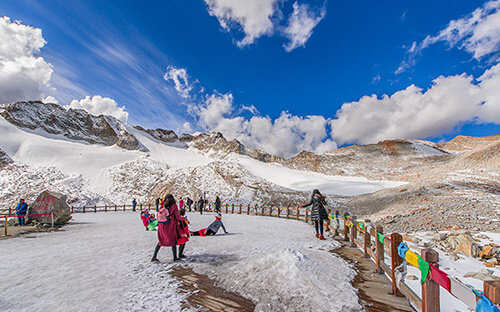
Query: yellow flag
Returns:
{"type": "Point", "coordinates": [412, 258]}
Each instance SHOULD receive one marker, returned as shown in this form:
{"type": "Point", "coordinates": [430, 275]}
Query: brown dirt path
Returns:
{"type": "Point", "coordinates": [373, 288]}
{"type": "Point", "coordinates": [207, 296]}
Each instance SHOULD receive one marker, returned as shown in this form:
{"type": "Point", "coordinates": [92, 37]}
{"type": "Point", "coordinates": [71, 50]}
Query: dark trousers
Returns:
{"type": "Point", "coordinates": [320, 224]}
{"type": "Point", "coordinates": [21, 221]}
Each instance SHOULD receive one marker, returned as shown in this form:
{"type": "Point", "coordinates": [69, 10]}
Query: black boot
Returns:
{"type": "Point", "coordinates": [174, 252]}
{"type": "Point", "coordinates": [181, 251]}
{"type": "Point", "coordinates": [155, 259]}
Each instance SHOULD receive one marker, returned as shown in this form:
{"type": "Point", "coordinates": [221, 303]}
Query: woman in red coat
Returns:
{"type": "Point", "coordinates": [169, 230]}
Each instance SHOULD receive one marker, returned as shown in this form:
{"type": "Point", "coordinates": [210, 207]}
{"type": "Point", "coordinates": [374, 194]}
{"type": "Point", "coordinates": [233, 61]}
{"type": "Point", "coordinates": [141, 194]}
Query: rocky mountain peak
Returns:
{"type": "Point", "coordinates": [74, 124]}
{"type": "Point", "coordinates": [4, 159]}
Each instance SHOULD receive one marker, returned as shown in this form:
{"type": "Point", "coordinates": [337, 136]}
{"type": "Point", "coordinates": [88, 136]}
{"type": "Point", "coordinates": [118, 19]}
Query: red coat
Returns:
{"type": "Point", "coordinates": [184, 231]}
{"type": "Point", "coordinates": [169, 233]}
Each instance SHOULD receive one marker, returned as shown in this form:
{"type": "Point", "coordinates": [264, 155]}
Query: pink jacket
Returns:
{"type": "Point", "coordinates": [181, 203]}
{"type": "Point", "coordinates": [163, 215]}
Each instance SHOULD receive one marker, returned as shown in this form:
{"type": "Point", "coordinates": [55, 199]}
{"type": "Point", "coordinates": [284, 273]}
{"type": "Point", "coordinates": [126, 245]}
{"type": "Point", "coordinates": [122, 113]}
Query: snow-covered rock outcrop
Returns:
{"type": "Point", "coordinates": [74, 124]}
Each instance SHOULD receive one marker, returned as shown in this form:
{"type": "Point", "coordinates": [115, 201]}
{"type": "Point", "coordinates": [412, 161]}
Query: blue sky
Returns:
{"type": "Point", "coordinates": [122, 49]}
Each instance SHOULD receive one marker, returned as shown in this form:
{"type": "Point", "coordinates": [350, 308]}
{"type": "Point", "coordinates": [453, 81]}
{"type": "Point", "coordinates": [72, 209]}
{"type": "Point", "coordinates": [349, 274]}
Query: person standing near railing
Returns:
{"type": "Point", "coordinates": [134, 204]}
{"type": "Point", "coordinates": [157, 204]}
{"type": "Point", "coordinates": [217, 204]}
{"type": "Point", "coordinates": [318, 212]}
{"type": "Point", "coordinates": [201, 203]}
{"type": "Point", "coordinates": [21, 210]}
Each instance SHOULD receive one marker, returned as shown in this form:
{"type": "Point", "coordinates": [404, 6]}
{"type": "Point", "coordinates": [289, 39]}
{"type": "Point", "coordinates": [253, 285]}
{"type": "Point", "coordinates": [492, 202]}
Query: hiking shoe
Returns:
{"type": "Point", "coordinates": [317, 235]}
{"type": "Point", "coordinates": [155, 260]}
{"type": "Point", "coordinates": [322, 237]}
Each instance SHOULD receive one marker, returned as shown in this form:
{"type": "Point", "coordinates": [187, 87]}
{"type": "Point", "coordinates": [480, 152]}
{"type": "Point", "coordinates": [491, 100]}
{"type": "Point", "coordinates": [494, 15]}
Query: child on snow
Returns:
{"type": "Point", "coordinates": [212, 229]}
{"type": "Point", "coordinates": [152, 222]}
{"type": "Point", "coordinates": [184, 232]}
{"type": "Point", "coordinates": [145, 218]}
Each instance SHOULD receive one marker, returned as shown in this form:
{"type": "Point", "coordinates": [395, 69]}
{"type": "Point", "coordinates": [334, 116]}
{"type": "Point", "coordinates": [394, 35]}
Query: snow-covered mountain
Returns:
{"type": "Point", "coordinates": [97, 159]}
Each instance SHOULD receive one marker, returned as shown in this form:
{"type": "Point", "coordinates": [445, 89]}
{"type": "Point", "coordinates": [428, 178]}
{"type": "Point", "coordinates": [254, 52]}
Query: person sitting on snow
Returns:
{"type": "Point", "coordinates": [21, 210]}
{"type": "Point", "coordinates": [145, 218]}
{"type": "Point", "coordinates": [212, 229]}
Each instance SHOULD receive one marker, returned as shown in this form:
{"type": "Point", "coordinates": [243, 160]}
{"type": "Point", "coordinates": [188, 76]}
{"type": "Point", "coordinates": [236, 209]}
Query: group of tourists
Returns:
{"type": "Point", "coordinates": [173, 226]}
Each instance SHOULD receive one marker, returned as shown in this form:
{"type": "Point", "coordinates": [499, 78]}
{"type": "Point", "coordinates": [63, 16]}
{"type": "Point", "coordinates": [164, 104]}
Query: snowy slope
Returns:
{"type": "Point", "coordinates": [306, 181]}
{"type": "Point", "coordinates": [103, 260]}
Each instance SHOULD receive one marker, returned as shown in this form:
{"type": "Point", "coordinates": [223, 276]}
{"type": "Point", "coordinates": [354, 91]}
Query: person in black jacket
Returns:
{"type": "Point", "coordinates": [189, 203]}
{"type": "Point", "coordinates": [318, 212]}
{"type": "Point", "coordinates": [217, 204]}
{"type": "Point", "coordinates": [201, 204]}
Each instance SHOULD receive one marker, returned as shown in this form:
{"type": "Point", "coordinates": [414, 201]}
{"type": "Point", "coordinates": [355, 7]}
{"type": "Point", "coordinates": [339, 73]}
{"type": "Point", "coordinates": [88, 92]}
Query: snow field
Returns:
{"type": "Point", "coordinates": [100, 262]}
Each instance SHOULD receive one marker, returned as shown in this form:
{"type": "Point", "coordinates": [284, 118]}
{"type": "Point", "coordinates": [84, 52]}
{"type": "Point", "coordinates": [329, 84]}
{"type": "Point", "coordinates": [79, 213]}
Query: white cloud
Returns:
{"type": "Point", "coordinates": [22, 75]}
{"type": "Point", "coordinates": [301, 24]}
{"type": "Point", "coordinates": [254, 17]}
{"type": "Point", "coordinates": [413, 113]}
{"type": "Point", "coordinates": [478, 33]}
{"type": "Point", "coordinates": [284, 136]}
{"type": "Point", "coordinates": [50, 99]}
{"type": "Point", "coordinates": [98, 105]}
{"type": "Point", "coordinates": [490, 88]}
{"type": "Point", "coordinates": [180, 79]}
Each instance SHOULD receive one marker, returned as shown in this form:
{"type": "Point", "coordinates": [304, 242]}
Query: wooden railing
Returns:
{"type": "Point", "coordinates": [374, 243]}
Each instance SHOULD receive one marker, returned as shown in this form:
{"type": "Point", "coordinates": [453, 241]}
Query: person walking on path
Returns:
{"type": "Point", "coordinates": [134, 204]}
{"type": "Point", "coordinates": [189, 202]}
{"type": "Point", "coordinates": [157, 204]}
{"type": "Point", "coordinates": [201, 203]}
{"type": "Point", "coordinates": [169, 229]}
{"type": "Point", "coordinates": [318, 212]}
{"type": "Point", "coordinates": [212, 229]}
{"type": "Point", "coordinates": [217, 204]}
{"type": "Point", "coordinates": [21, 210]}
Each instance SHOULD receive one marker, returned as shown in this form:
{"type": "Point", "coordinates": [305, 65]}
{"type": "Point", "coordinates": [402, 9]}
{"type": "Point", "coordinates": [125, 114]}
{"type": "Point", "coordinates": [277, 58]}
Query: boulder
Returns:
{"type": "Point", "coordinates": [488, 252]}
{"type": "Point", "coordinates": [464, 243]}
{"type": "Point", "coordinates": [53, 202]}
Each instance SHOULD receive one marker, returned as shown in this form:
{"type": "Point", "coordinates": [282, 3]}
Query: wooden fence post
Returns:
{"type": "Point", "coordinates": [149, 206]}
{"type": "Point", "coordinates": [105, 208]}
{"type": "Point", "coordinates": [95, 208]}
{"type": "Point", "coordinates": [232, 208]}
{"type": "Point", "coordinates": [307, 216]}
{"type": "Point", "coordinates": [123, 207]}
{"type": "Point", "coordinates": [83, 209]}
{"type": "Point", "coordinates": [353, 231]}
{"type": "Point", "coordinates": [430, 289]}
{"type": "Point", "coordinates": [140, 205]}
{"type": "Point", "coordinates": [115, 207]}
{"type": "Point", "coordinates": [492, 291]}
{"type": "Point", "coordinates": [279, 211]}
{"type": "Point", "coordinates": [6, 224]}
{"type": "Point", "coordinates": [226, 207]}
{"type": "Point", "coordinates": [366, 239]}
{"type": "Point", "coordinates": [271, 210]}
{"type": "Point", "coordinates": [240, 210]}
{"type": "Point", "coordinates": [396, 261]}
{"type": "Point", "coordinates": [346, 230]}
{"type": "Point", "coordinates": [248, 209]}
{"type": "Point", "coordinates": [297, 213]}
{"type": "Point", "coordinates": [287, 212]}
{"type": "Point", "coordinates": [263, 208]}
{"type": "Point", "coordinates": [379, 247]}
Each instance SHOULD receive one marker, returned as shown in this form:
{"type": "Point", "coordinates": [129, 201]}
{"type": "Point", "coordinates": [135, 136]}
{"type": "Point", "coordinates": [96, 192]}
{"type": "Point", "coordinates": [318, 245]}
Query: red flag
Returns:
{"type": "Point", "coordinates": [440, 277]}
